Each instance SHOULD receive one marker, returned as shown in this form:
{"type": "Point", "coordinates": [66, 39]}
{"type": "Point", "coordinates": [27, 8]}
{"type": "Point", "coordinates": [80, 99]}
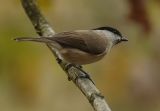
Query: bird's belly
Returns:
{"type": "Point", "coordinates": [76, 56]}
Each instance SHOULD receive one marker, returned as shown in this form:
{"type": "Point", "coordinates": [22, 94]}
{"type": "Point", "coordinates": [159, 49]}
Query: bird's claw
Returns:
{"type": "Point", "coordinates": [79, 67]}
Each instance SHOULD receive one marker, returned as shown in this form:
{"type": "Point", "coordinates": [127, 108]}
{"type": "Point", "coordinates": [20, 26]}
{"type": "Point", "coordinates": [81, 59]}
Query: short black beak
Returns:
{"type": "Point", "coordinates": [124, 39]}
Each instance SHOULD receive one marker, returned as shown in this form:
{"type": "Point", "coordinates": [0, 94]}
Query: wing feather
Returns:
{"type": "Point", "coordinates": [88, 42]}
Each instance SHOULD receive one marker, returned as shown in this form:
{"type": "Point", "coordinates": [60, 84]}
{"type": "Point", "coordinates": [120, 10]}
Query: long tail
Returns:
{"type": "Point", "coordinates": [42, 39]}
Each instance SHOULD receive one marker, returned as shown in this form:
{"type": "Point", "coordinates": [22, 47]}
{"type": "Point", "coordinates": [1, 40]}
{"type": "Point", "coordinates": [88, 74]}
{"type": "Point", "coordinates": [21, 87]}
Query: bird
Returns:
{"type": "Point", "coordinates": [82, 47]}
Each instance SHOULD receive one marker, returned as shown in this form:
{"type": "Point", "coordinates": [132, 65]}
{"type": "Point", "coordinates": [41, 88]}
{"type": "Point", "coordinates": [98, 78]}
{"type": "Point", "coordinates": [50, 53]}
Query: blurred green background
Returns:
{"type": "Point", "coordinates": [129, 76]}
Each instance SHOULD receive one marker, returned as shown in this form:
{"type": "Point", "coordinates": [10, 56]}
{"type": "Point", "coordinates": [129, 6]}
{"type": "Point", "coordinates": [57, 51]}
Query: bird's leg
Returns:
{"type": "Point", "coordinates": [84, 75]}
{"type": "Point", "coordinates": [67, 67]}
{"type": "Point", "coordinates": [58, 60]}
{"type": "Point", "coordinates": [79, 67]}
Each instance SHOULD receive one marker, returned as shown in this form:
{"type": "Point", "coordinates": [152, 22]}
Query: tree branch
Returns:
{"type": "Point", "coordinates": [75, 74]}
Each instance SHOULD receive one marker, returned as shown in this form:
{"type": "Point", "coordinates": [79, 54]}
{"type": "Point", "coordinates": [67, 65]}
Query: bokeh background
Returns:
{"type": "Point", "coordinates": [128, 77]}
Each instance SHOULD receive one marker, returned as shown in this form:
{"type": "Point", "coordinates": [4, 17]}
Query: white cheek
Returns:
{"type": "Point", "coordinates": [109, 35]}
{"type": "Point", "coordinates": [108, 49]}
{"type": "Point", "coordinates": [117, 37]}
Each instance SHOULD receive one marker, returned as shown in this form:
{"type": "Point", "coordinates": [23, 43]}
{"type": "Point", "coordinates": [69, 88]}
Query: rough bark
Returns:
{"type": "Point", "coordinates": [75, 74]}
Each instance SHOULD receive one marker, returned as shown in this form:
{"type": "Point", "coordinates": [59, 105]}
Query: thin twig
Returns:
{"type": "Point", "coordinates": [84, 84]}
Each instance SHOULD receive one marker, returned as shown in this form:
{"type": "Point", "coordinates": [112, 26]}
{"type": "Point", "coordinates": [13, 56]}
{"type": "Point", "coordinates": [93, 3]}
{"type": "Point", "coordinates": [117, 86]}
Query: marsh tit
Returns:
{"type": "Point", "coordinates": [82, 46]}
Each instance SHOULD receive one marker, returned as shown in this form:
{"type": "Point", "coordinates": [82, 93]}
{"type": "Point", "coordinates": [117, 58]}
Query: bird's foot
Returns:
{"type": "Point", "coordinates": [58, 60]}
{"type": "Point", "coordinates": [79, 67]}
{"type": "Point", "coordinates": [85, 75]}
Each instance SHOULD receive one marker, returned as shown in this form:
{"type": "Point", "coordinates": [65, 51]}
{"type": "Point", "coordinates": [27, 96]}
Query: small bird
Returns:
{"type": "Point", "coordinates": [82, 46]}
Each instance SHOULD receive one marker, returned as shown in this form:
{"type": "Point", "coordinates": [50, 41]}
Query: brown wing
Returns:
{"type": "Point", "coordinates": [88, 42]}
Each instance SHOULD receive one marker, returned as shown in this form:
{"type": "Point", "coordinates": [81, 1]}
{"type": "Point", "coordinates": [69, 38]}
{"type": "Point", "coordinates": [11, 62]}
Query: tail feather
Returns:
{"type": "Point", "coordinates": [42, 39]}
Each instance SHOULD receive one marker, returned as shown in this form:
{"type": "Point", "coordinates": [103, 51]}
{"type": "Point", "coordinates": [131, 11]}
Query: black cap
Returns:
{"type": "Point", "coordinates": [111, 29]}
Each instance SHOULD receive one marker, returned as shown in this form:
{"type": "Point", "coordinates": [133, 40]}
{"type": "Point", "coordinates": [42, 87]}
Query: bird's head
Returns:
{"type": "Point", "coordinates": [113, 34]}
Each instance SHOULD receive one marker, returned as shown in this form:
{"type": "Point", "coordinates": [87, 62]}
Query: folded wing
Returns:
{"type": "Point", "coordinates": [88, 42]}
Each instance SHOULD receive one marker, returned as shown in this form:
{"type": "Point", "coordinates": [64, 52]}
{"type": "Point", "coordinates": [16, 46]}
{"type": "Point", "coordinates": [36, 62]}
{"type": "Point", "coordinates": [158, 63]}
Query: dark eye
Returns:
{"type": "Point", "coordinates": [118, 41]}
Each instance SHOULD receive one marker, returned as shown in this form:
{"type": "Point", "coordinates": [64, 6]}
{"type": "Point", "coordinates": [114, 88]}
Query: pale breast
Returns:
{"type": "Point", "coordinates": [79, 57]}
